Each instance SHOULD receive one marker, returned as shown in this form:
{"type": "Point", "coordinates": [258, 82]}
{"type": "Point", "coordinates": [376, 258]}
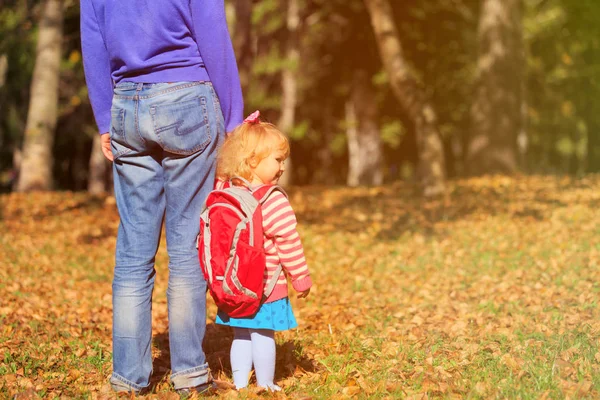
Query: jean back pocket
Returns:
{"type": "Point", "coordinates": [182, 127]}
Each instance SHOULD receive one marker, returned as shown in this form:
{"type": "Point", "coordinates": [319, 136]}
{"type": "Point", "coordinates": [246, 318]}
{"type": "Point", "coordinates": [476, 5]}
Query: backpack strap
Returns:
{"type": "Point", "coordinates": [271, 284]}
{"type": "Point", "coordinates": [206, 245]}
{"type": "Point", "coordinates": [261, 193]}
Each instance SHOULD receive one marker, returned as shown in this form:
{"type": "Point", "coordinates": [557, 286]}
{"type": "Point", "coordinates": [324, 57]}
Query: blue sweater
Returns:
{"type": "Point", "coordinates": [154, 41]}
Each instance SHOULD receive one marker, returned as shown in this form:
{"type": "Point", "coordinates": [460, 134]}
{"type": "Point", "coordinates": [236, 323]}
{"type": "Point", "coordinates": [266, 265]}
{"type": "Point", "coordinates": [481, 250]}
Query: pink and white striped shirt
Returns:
{"type": "Point", "coordinates": [282, 245]}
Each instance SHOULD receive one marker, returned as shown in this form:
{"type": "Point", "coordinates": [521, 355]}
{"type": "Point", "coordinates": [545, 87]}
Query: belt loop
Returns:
{"type": "Point", "coordinates": [140, 86]}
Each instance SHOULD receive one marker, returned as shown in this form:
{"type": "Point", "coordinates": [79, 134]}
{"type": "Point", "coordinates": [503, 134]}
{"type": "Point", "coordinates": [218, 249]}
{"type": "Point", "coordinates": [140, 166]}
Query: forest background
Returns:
{"type": "Point", "coordinates": [489, 290]}
{"type": "Point", "coordinates": [369, 91]}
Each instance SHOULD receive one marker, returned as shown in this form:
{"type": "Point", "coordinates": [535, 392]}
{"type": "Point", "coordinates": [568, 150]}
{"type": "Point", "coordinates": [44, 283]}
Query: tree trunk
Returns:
{"type": "Point", "coordinates": [99, 169]}
{"type": "Point", "coordinates": [3, 72]}
{"type": "Point", "coordinates": [3, 69]}
{"type": "Point", "coordinates": [242, 40]}
{"type": "Point", "coordinates": [364, 143]}
{"type": "Point", "coordinates": [522, 136]}
{"type": "Point", "coordinates": [593, 148]}
{"type": "Point", "coordinates": [324, 174]}
{"type": "Point", "coordinates": [592, 163]}
{"type": "Point", "coordinates": [411, 96]}
{"type": "Point", "coordinates": [496, 111]}
{"type": "Point", "coordinates": [288, 80]}
{"type": "Point", "coordinates": [36, 167]}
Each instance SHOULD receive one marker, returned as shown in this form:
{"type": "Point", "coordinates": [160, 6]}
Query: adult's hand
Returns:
{"type": "Point", "coordinates": [105, 142]}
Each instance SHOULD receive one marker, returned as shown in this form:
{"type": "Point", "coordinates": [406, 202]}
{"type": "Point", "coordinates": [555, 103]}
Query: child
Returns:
{"type": "Point", "coordinates": [256, 151]}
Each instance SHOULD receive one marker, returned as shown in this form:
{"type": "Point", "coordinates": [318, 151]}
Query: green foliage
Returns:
{"type": "Point", "coordinates": [338, 144]}
{"type": "Point", "coordinates": [17, 46]}
{"type": "Point", "coordinates": [257, 97]}
{"type": "Point", "coordinates": [266, 16]}
{"type": "Point", "coordinates": [392, 133]}
{"type": "Point", "coordinates": [439, 42]}
{"type": "Point", "coordinates": [563, 83]}
{"type": "Point", "coordinates": [269, 63]}
{"type": "Point", "coordinates": [300, 130]}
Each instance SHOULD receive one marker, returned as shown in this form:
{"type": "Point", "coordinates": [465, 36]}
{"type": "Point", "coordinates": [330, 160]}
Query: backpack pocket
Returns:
{"type": "Point", "coordinates": [249, 269]}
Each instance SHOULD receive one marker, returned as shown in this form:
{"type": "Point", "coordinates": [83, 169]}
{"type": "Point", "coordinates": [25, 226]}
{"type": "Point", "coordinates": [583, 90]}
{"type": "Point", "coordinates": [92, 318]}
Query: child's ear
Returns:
{"type": "Point", "coordinates": [252, 161]}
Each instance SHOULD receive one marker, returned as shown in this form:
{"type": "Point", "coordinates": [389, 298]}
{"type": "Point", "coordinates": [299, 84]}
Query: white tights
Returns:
{"type": "Point", "coordinates": [253, 346]}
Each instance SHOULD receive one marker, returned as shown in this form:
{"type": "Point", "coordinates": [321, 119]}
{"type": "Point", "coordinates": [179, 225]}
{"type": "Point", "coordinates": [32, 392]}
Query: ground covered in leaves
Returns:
{"type": "Point", "coordinates": [489, 292]}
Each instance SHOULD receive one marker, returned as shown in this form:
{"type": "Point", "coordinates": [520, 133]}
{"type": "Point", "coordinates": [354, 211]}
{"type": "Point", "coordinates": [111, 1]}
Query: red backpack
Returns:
{"type": "Point", "coordinates": [231, 249]}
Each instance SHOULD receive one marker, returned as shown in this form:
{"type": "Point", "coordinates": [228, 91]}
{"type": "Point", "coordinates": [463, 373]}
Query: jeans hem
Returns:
{"type": "Point", "coordinates": [191, 377]}
{"type": "Point", "coordinates": [119, 383]}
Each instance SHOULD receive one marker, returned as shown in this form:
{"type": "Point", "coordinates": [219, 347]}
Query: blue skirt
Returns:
{"type": "Point", "coordinates": [276, 316]}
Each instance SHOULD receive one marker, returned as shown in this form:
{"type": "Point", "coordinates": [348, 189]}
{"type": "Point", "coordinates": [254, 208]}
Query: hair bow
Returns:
{"type": "Point", "coordinates": [253, 118]}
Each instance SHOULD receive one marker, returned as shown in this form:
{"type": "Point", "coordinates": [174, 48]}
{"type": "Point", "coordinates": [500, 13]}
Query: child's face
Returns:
{"type": "Point", "coordinates": [270, 168]}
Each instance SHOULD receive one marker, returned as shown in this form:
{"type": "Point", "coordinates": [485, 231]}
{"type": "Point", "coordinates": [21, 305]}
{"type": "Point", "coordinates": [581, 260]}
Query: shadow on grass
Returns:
{"type": "Point", "coordinates": [161, 364]}
{"type": "Point", "coordinates": [399, 209]}
{"type": "Point", "coordinates": [217, 343]}
{"type": "Point", "coordinates": [40, 206]}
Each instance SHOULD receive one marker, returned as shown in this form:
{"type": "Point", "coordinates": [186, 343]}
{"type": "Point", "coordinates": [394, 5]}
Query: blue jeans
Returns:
{"type": "Point", "coordinates": [164, 139]}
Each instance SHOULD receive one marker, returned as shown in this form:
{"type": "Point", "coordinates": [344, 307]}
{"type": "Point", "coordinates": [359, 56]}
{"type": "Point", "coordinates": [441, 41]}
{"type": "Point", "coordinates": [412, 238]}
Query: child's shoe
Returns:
{"type": "Point", "coordinates": [271, 387]}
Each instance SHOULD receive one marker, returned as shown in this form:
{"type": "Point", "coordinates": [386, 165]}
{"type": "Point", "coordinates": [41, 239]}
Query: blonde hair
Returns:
{"type": "Point", "coordinates": [246, 146]}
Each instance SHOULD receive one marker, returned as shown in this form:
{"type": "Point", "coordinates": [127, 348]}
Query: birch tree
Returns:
{"type": "Point", "coordinates": [36, 165]}
{"type": "Point", "coordinates": [497, 110]}
{"type": "Point", "coordinates": [242, 39]}
{"type": "Point", "coordinates": [288, 79]}
{"type": "Point", "coordinates": [364, 143]}
{"type": "Point", "coordinates": [411, 96]}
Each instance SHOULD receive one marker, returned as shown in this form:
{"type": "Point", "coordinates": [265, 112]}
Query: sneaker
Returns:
{"type": "Point", "coordinates": [206, 389]}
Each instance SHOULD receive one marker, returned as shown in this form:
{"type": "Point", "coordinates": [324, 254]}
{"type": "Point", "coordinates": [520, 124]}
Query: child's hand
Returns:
{"type": "Point", "coordinates": [303, 295]}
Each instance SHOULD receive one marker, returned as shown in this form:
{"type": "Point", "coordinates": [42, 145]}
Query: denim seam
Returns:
{"type": "Point", "coordinates": [121, 120]}
{"type": "Point", "coordinates": [128, 382]}
{"type": "Point", "coordinates": [172, 89]}
{"type": "Point", "coordinates": [218, 112]}
{"type": "Point", "coordinates": [190, 370]}
{"type": "Point", "coordinates": [137, 118]}
{"type": "Point", "coordinates": [164, 91]}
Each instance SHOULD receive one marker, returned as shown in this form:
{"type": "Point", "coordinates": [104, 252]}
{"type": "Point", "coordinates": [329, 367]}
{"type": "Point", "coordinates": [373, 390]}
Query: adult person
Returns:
{"type": "Point", "coordinates": [152, 68]}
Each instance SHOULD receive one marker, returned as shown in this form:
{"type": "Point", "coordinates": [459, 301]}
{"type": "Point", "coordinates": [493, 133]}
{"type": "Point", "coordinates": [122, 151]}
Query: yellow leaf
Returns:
{"type": "Point", "coordinates": [567, 108]}
{"type": "Point", "coordinates": [74, 57]}
{"type": "Point", "coordinates": [481, 388]}
{"type": "Point", "coordinates": [351, 390]}
{"type": "Point", "coordinates": [75, 101]}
